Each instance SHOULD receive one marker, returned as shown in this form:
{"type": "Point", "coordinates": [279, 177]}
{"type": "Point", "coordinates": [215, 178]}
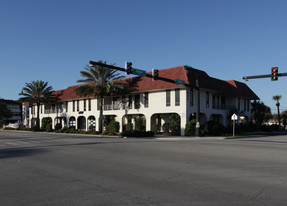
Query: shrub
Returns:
{"type": "Point", "coordinates": [139, 123]}
{"type": "Point", "coordinates": [174, 124]}
{"type": "Point", "coordinates": [45, 122]}
{"type": "Point", "coordinates": [155, 128]}
{"type": "Point", "coordinates": [190, 128]}
{"type": "Point", "coordinates": [213, 128]}
{"type": "Point", "coordinates": [114, 127]}
{"type": "Point", "coordinates": [49, 128]}
{"type": "Point", "coordinates": [166, 127]}
{"type": "Point", "coordinates": [129, 127]}
{"type": "Point", "coordinates": [58, 126]}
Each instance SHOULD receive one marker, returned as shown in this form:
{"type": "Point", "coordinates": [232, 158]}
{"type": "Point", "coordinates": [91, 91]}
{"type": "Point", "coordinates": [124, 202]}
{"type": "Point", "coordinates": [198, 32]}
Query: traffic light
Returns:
{"type": "Point", "coordinates": [129, 69]}
{"type": "Point", "coordinates": [154, 74]}
{"type": "Point", "coordinates": [274, 73]}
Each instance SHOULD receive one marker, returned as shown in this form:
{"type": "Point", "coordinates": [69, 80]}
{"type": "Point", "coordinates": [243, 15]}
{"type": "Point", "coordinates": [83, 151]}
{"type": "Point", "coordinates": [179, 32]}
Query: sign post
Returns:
{"type": "Point", "coordinates": [234, 118]}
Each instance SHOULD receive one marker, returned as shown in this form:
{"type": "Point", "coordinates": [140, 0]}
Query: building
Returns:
{"type": "Point", "coordinates": [154, 101]}
{"type": "Point", "coordinates": [15, 108]}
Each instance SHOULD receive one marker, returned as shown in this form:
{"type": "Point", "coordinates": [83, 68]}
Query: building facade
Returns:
{"type": "Point", "coordinates": [15, 108]}
{"type": "Point", "coordinates": [153, 102]}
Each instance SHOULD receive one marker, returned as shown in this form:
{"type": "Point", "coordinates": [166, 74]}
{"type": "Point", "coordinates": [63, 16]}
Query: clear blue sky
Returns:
{"type": "Point", "coordinates": [53, 40]}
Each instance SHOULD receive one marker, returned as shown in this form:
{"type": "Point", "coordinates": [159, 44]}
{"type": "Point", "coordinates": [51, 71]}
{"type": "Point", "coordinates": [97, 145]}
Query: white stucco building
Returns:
{"type": "Point", "coordinates": [154, 101]}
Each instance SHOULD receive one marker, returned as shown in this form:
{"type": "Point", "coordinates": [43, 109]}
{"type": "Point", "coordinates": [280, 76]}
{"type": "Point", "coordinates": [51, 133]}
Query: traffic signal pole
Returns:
{"type": "Point", "coordinates": [174, 81]}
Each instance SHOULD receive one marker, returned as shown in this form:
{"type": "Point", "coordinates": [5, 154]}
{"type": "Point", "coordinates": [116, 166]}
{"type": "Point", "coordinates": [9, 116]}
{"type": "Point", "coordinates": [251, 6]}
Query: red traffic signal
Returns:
{"type": "Point", "coordinates": [274, 73]}
{"type": "Point", "coordinates": [129, 68]}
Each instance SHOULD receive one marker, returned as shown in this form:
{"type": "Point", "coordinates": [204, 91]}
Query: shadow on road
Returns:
{"type": "Point", "coordinates": [20, 152]}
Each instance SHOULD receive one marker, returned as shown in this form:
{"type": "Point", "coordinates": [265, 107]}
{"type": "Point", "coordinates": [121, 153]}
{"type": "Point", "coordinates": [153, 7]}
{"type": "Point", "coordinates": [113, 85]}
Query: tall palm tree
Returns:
{"type": "Point", "coordinates": [100, 82]}
{"type": "Point", "coordinates": [37, 92]}
{"type": "Point", "coordinates": [277, 98]}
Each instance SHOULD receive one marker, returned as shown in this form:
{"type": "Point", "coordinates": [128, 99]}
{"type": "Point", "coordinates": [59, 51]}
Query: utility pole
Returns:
{"type": "Point", "coordinates": [273, 75]}
{"type": "Point", "coordinates": [197, 126]}
{"type": "Point", "coordinates": [155, 76]}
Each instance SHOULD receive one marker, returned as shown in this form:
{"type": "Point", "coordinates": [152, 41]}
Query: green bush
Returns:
{"type": "Point", "coordinates": [58, 126]}
{"type": "Point", "coordinates": [45, 122]}
{"type": "Point", "coordinates": [155, 128]}
{"type": "Point", "coordinates": [213, 128]}
{"type": "Point", "coordinates": [174, 124]}
{"type": "Point", "coordinates": [139, 123]}
{"type": "Point", "coordinates": [166, 127]}
{"type": "Point", "coordinates": [129, 127]}
{"type": "Point", "coordinates": [190, 128]}
{"type": "Point", "coordinates": [114, 127]}
{"type": "Point", "coordinates": [49, 128]}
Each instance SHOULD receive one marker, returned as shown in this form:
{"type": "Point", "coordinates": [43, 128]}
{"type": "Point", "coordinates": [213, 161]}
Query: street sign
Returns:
{"type": "Point", "coordinates": [180, 82]}
{"type": "Point", "coordinates": [139, 72]}
{"type": "Point", "coordinates": [234, 117]}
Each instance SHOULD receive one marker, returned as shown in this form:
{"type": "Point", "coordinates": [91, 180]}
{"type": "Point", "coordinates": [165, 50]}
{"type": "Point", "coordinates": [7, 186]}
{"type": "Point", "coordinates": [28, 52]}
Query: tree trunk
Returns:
{"type": "Point", "coordinates": [101, 115]}
{"type": "Point", "coordinates": [38, 116]}
{"type": "Point", "coordinates": [279, 119]}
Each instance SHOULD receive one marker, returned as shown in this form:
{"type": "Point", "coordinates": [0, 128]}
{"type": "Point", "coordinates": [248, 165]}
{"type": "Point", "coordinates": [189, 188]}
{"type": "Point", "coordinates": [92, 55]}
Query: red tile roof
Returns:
{"type": "Point", "coordinates": [185, 73]}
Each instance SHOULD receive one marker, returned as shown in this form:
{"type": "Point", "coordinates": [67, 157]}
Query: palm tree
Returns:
{"type": "Point", "coordinates": [99, 82]}
{"type": "Point", "coordinates": [277, 98]}
{"type": "Point", "coordinates": [37, 92]}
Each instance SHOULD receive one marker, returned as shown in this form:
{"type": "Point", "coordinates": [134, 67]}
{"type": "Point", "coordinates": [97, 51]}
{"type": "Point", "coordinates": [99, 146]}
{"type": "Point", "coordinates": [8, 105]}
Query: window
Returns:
{"type": "Point", "coordinates": [89, 104]}
{"type": "Point", "coordinates": [73, 105]}
{"type": "Point", "coordinates": [223, 102]}
{"type": "Point", "coordinates": [85, 105]}
{"type": "Point", "coordinates": [146, 99]}
{"type": "Point", "coordinates": [191, 97]}
{"type": "Point", "coordinates": [244, 104]}
{"type": "Point", "coordinates": [177, 97]}
{"type": "Point", "coordinates": [207, 99]}
{"type": "Point", "coordinates": [116, 103]}
{"type": "Point", "coordinates": [124, 102]}
{"type": "Point", "coordinates": [238, 103]}
{"type": "Point", "coordinates": [213, 101]}
{"type": "Point", "coordinates": [66, 106]}
{"type": "Point", "coordinates": [168, 98]}
{"type": "Point", "coordinates": [248, 102]}
{"type": "Point", "coordinates": [78, 105]}
{"type": "Point", "coordinates": [130, 101]}
{"type": "Point", "coordinates": [137, 101]}
{"type": "Point", "coordinates": [98, 103]}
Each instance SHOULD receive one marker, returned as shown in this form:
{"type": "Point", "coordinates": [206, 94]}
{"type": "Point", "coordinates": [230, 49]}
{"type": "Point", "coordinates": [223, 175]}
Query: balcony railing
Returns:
{"type": "Point", "coordinates": [52, 111]}
{"type": "Point", "coordinates": [112, 107]}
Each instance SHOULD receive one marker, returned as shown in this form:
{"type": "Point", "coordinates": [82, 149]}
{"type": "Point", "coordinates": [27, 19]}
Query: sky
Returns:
{"type": "Point", "coordinates": [228, 39]}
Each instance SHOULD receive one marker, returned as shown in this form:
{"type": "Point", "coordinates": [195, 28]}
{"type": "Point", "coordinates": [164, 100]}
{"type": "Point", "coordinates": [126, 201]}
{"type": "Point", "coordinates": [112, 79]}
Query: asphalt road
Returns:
{"type": "Point", "coordinates": [52, 169]}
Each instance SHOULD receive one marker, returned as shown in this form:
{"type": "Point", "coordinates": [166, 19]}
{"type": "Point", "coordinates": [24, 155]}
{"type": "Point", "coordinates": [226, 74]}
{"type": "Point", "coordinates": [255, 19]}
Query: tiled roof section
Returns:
{"type": "Point", "coordinates": [243, 90]}
{"type": "Point", "coordinates": [185, 73]}
{"type": "Point", "coordinates": [67, 94]}
{"type": "Point", "coordinates": [147, 84]}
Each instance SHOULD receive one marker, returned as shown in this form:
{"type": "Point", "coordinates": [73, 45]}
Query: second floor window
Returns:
{"type": "Point", "coordinates": [89, 104]}
{"type": "Point", "coordinates": [137, 101]}
{"type": "Point", "coordinates": [213, 101]}
{"type": "Point", "coordinates": [85, 105]}
{"type": "Point", "coordinates": [177, 97]}
{"type": "Point", "coordinates": [130, 102]}
{"type": "Point", "coordinates": [78, 105]}
{"type": "Point", "coordinates": [73, 106]}
{"type": "Point", "coordinates": [191, 97]}
{"type": "Point", "coordinates": [238, 103]}
{"type": "Point", "coordinates": [207, 99]}
{"type": "Point", "coordinates": [146, 99]}
{"type": "Point", "coordinates": [168, 98]}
